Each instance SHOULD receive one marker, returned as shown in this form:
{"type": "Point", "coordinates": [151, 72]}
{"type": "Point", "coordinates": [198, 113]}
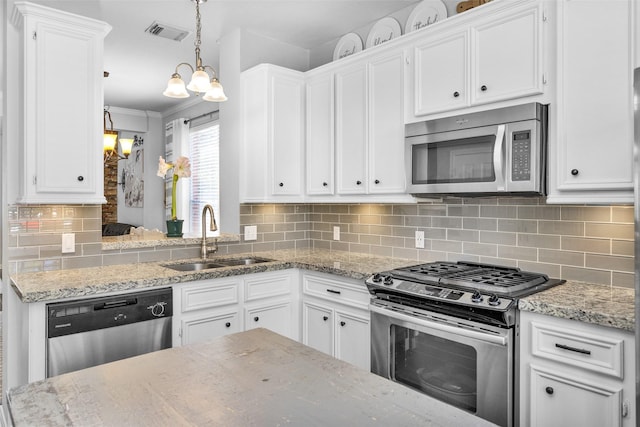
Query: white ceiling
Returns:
{"type": "Point", "coordinates": [140, 64]}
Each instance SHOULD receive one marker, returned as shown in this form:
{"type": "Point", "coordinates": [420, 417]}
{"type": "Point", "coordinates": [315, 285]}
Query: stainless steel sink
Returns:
{"type": "Point", "coordinates": [195, 266]}
{"type": "Point", "coordinates": [243, 261]}
{"type": "Point", "coordinates": [218, 263]}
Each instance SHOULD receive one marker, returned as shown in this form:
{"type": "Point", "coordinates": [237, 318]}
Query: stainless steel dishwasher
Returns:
{"type": "Point", "coordinates": [90, 332]}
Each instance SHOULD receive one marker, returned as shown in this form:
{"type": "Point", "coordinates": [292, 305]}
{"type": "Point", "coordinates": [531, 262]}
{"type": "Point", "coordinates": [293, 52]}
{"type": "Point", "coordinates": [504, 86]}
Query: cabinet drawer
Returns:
{"type": "Point", "coordinates": [211, 294]}
{"type": "Point", "coordinates": [198, 327]}
{"type": "Point", "coordinates": [262, 286]}
{"type": "Point", "coordinates": [588, 351]}
{"type": "Point", "coordinates": [345, 293]}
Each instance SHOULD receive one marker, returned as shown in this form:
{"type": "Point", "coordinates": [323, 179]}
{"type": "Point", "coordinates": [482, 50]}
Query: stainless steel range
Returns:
{"type": "Point", "coordinates": [447, 330]}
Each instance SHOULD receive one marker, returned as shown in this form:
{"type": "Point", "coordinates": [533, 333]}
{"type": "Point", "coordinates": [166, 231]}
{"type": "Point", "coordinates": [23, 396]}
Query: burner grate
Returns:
{"type": "Point", "coordinates": [500, 279]}
{"type": "Point", "coordinates": [471, 276]}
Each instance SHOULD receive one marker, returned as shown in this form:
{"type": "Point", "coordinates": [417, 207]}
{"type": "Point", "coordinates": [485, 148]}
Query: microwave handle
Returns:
{"type": "Point", "coordinates": [498, 158]}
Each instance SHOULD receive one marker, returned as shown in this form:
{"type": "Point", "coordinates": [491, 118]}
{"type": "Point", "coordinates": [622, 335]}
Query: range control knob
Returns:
{"type": "Point", "coordinates": [388, 280]}
{"type": "Point", "coordinates": [493, 300]}
{"type": "Point", "coordinates": [476, 297]}
{"type": "Point", "coordinates": [377, 278]}
{"type": "Point", "coordinates": [157, 309]}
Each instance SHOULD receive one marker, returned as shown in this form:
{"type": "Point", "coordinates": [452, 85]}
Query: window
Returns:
{"type": "Point", "coordinates": [204, 143]}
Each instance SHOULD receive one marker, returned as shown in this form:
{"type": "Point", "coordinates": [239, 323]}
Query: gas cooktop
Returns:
{"type": "Point", "coordinates": [470, 284]}
{"type": "Point", "coordinates": [502, 281]}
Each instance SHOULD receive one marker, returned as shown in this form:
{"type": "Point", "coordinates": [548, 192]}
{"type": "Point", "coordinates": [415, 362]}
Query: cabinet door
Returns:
{"type": "Point", "coordinates": [351, 129]}
{"type": "Point", "coordinates": [386, 124]}
{"type": "Point", "coordinates": [275, 317]}
{"type": "Point", "coordinates": [562, 401]}
{"type": "Point", "coordinates": [317, 327]}
{"type": "Point", "coordinates": [353, 339]}
{"type": "Point", "coordinates": [441, 74]}
{"type": "Point", "coordinates": [62, 149]}
{"type": "Point", "coordinates": [319, 139]}
{"type": "Point", "coordinates": [204, 326]}
{"type": "Point", "coordinates": [507, 56]}
{"type": "Point", "coordinates": [595, 120]}
{"type": "Point", "coordinates": [272, 111]}
{"type": "Point", "coordinates": [287, 134]}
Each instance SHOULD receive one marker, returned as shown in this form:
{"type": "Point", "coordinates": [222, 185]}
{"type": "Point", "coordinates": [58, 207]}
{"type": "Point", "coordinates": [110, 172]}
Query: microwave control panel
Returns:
{"type": "Point", "coordinates": [521, 156]}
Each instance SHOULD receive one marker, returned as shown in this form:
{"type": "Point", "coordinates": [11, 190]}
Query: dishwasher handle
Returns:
{"type": "Point", "coordinates": [116, 303]}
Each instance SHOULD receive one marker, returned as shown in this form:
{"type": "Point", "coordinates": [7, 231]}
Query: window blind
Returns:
{"type": "Point", "coordinates": [204, 144]}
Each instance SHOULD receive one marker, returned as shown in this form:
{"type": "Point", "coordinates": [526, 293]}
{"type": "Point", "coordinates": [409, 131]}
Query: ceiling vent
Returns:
{"type": "Point", "coordinates": [166, 31]}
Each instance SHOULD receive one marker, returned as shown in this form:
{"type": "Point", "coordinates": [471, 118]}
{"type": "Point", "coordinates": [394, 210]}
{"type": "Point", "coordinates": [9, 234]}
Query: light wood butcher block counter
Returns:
{"type": "Point", "coordinates": [253, 378]}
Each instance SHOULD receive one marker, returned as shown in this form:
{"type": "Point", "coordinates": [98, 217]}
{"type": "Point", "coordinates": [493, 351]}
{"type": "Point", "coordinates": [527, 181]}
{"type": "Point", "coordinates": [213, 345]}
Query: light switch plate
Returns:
{"type": "Point", "coordinates": [250, 232]}
{"type": "Point", "coordinates": [68, 243]}
{"type": "Point", "coordinates": [336, 232]}
{"type": "Point", "coordinates": [419, 239]}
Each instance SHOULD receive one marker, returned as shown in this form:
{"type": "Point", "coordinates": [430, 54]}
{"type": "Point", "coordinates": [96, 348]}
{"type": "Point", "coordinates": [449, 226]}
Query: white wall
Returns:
{"type": "Point", "coordinates": [147, 125]}
{"type": "Point", "coordinates": [257, 49]}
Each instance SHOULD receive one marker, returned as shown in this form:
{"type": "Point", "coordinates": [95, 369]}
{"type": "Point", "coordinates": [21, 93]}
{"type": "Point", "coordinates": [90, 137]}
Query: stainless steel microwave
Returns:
{"type": "Point", "coordinates": [495, 152]}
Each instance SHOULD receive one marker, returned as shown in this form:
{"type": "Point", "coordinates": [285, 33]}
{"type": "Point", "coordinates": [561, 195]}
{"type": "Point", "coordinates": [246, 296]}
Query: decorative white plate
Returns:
{"type": "Point", "coordinates": [347, 45]}
{"type": "Point", "coordinates": [425, 14]}
{"type": "Point", "coordinates": [382, 31]}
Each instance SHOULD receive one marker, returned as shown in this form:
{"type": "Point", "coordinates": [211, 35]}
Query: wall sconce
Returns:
{"type": "Point", "coordinates": [111, 141]}
{"type": "Point", "coordinates": [125, 145]}
{"type": "Point", "coordinates": [110, 137]}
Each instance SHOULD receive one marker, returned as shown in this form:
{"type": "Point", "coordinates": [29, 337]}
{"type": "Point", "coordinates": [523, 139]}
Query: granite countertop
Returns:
{"type": "Point", "coordinates": [61, 284]}
{"type": "Point", "coordinates": [253, 378]}
{"type": "Point", "coordinates": [155, 238]}
{"type": "Point", "coordinates": [598, 304]}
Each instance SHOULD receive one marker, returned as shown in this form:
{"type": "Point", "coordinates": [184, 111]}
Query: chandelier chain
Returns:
{"type": "Point", "coordinates": [197, 41]}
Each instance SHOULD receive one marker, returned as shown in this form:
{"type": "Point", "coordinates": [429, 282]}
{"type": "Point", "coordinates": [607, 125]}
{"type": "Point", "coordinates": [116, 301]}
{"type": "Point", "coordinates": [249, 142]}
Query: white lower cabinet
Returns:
{"type": "Point", "coordinates": [573, 373]}
{"type": "Point", "coordinates": [212, 308]}
{"type": "Point", "coordinates": [335, 317]}
{"type": "Point", "coordinates": [273, 316]}
{"type": "Point", "coordinates": [206, 309]}
{"type": "Point", "coordinates": [204, 326]}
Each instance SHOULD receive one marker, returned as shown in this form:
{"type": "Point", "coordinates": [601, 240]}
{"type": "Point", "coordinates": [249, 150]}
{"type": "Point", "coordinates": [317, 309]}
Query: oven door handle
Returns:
{"type": "Point", "coordinates": [440, 326]}
{"type": "Point", "coordinates": [498, 158]}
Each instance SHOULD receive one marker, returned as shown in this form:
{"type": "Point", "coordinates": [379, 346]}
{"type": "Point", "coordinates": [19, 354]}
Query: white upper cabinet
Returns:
{"type": "Point", "coordinates": [591, 158]}
{"type": "Point", "coordinates": [369, 125]}
{"type": "Point", "coordinates": [487, 57]}
{"type": "Point", "coordinates": [273, 134]}
{"type": "Point", "coordinates": [442, 74]}
{"type": "Point", "coordinates": [62, 92]}
{"type": "Point", "coordinates": [320, 139]}
{"type": "Point", "coordinates": [507, 55]}
{"type": "Point", "coordinates": [386, 126]}
{"type": "Point", "coordinates": [351, 129]}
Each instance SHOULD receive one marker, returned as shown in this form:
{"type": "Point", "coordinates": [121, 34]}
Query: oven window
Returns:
{"type": "Point", "coordinates": [458, 161]}
{"type": "Point", "coordinates": [443, 369]}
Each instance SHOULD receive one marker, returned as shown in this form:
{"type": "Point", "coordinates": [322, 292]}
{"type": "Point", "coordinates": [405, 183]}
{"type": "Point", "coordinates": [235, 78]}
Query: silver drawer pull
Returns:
{"type": "Point", "coordinates": [577, 350]}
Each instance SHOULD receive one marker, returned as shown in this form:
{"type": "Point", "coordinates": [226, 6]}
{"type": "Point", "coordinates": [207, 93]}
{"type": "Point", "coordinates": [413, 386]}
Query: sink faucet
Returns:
{"type": "Point", "coordinates": [204, 250]}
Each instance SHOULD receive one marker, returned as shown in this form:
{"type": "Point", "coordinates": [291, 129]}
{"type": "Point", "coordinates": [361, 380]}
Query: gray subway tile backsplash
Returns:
{"type": "Point", "coordinates": [588, 243]}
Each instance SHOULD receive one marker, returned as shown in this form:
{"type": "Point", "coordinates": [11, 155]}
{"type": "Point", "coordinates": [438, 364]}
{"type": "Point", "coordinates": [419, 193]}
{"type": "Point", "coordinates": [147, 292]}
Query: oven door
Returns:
{"type": "Point", "coordinates": [465, 364]}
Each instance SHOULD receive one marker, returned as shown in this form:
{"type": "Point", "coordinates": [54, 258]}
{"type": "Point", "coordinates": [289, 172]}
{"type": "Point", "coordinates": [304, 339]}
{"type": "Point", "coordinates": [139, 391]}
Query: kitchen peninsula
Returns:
{"type": "Point", "coordinates": [250, 378]}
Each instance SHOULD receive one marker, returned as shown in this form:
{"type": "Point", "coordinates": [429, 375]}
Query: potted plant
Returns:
{"type": "Point", "coordinates": [181, 169]}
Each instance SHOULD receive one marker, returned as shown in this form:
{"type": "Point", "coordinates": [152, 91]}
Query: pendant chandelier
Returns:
{"type": "Point", "coordinates": [200, 82]}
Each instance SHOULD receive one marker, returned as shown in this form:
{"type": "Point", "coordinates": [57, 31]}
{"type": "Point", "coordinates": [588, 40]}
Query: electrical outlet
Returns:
{"type": "Point", "coordinates": [336, 232]}
{"type": "Point", "coordinates": [250, 232]}
{"type": "Point", "coordinates": [68, 243]}
{"type": "Point", "coordinates": [419, 239]}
